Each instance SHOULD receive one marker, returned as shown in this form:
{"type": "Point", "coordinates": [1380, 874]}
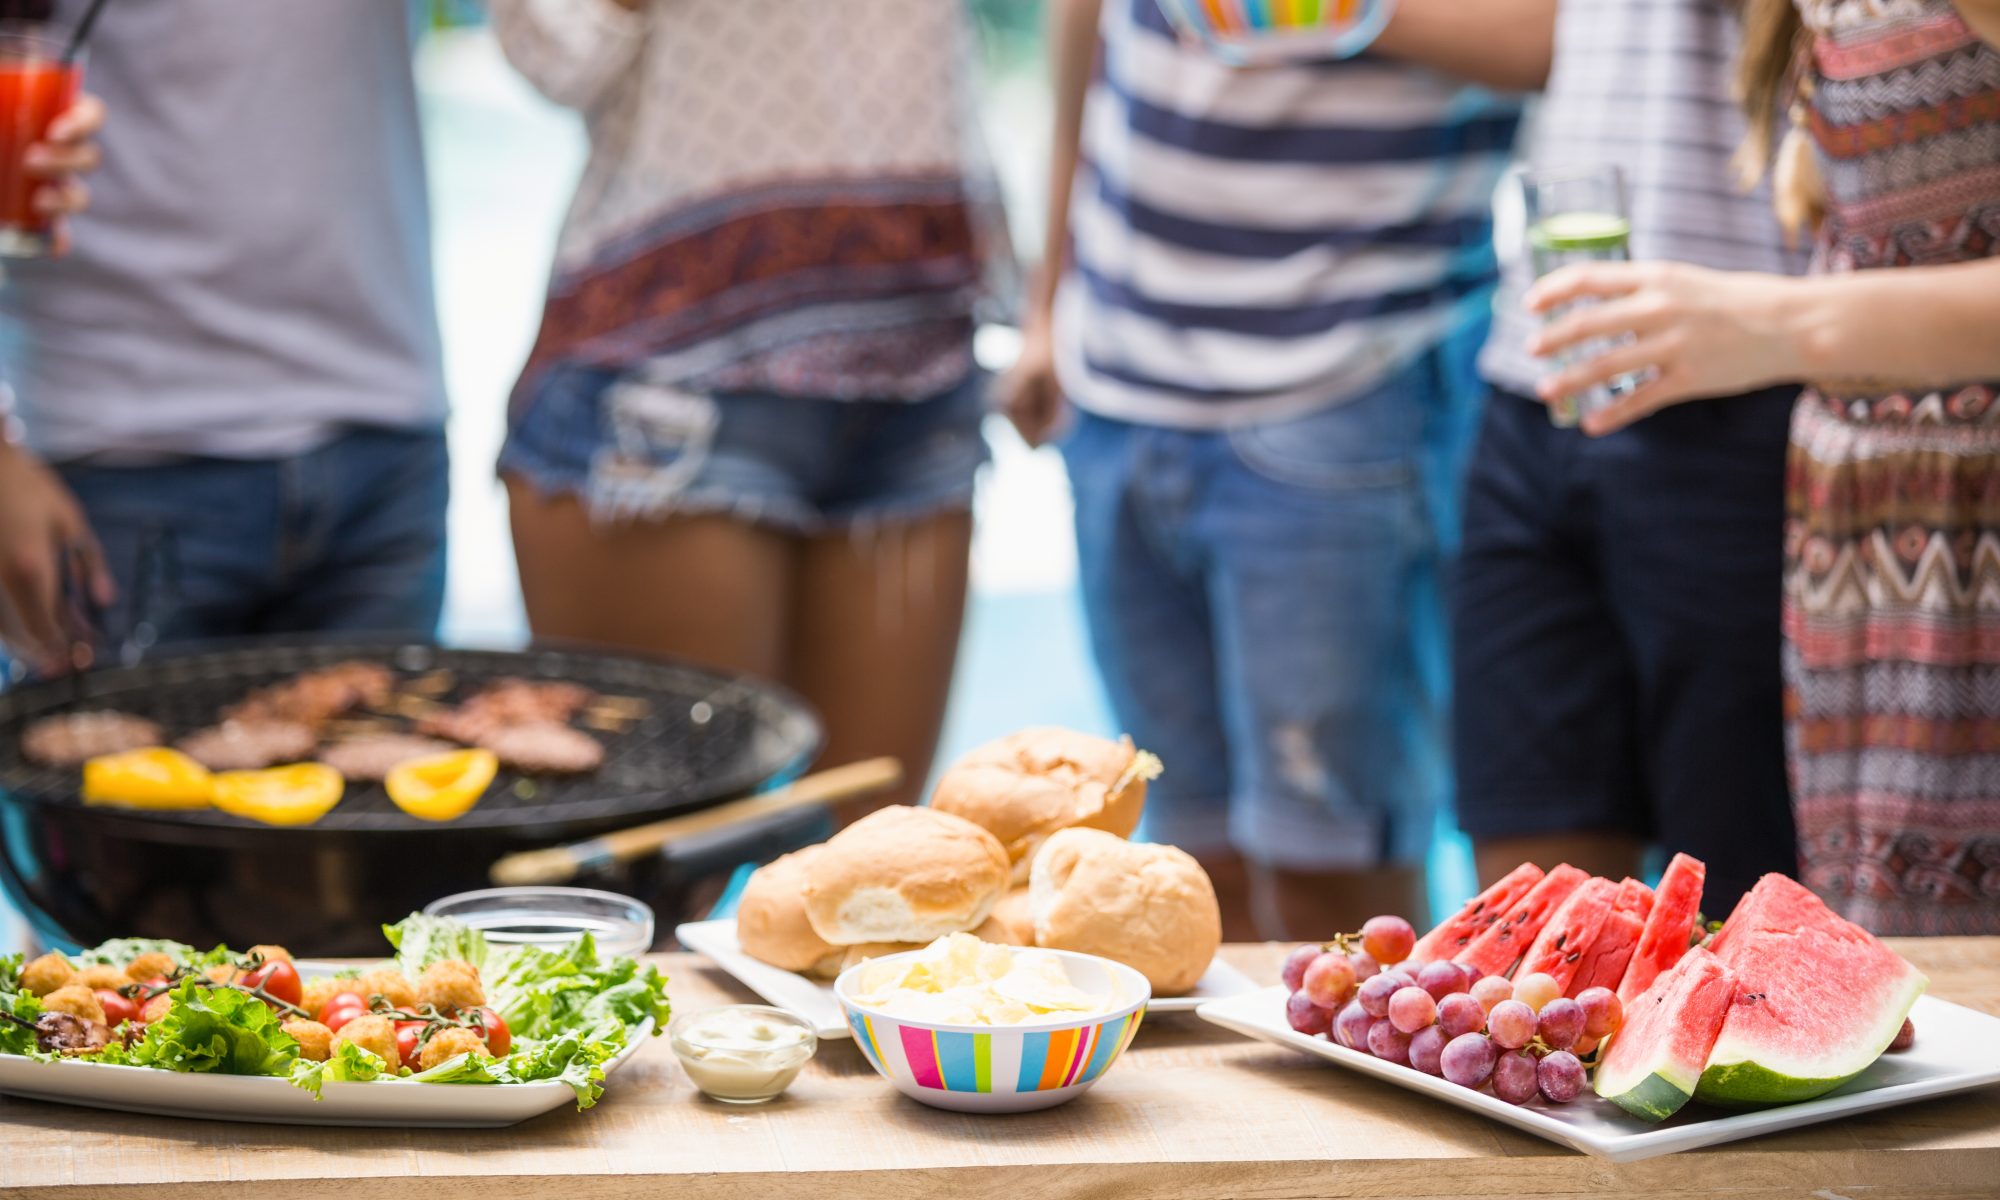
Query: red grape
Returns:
{"type": "Point", "coordinates": [1511, 1024]}
{"type": "Point", "coordinates": [1536, 990]}
{"type": "Point", "coordinates": [1491, 990]}
{"type": "Point", "coordinates": [1412, 1008]}
{"type": "Point", "coordinates": [1365, 968]}
{"type": "Point", "coordinates": [1374, 995]}
{"type": "Point", "coordinates": [1514, 1077]}
{"type": "Point", "coordinates": [1460, 1014]}
{"type": "Point", "coordinates": [1293, 973]}
{"type": "Point", "coordinates": [1329, 980]}
{"type": "Point", "coordinates": [1441, 979]}
{"type": "Point", "coordinates": [1905, 1038]}
{"type": "Point", "coordinates": [1603, 1013]}
{"type": "Point", "coordinates": [1560, 1023]}
{"type": "Point", "coordinates": [1388, 940]}
{"type": "Point", "coordinates": [1350, 1029]}
{"type": "Point", "coordinates": [1305, 1016]}
{"type": "Point", "coordinates": [1560, 1077]}
{"type": "Point", "coordinates": [1389, 1043]}
{"type": "Point", "coordinates": [1468, 1059]}
{"type": "Point", "coordinates": [1426, 1048]}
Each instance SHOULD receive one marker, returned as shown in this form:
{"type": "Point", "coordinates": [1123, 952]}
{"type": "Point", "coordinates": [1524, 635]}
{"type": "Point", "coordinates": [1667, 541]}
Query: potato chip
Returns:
{"type": "Point", "coordinates": [960, 980]}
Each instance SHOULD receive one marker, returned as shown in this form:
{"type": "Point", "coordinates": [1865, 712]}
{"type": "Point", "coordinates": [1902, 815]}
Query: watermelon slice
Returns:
{"type": "Point", "coordinates": [1668, 926]}
{"type": "Point", "coordinates": [1457, 932]}
{"type": "Point", "coordinates": [1634, 897]}
{"type": "Point", "coordinates": [1817, 1000]}
{"type": "Point", "coordinates": [1604, 963]}
{"type": "Point", "coordinates": [1496, 951]}
{"type": "Point", "coordinates": [1654, 1063]}
{"type": "Point", "coordinates": [1559, 949]}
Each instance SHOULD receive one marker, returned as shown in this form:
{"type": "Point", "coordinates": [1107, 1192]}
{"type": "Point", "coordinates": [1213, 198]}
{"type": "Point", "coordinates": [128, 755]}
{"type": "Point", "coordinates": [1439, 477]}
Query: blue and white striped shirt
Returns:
{"type": "Point", "coordinates": [1255, 243]}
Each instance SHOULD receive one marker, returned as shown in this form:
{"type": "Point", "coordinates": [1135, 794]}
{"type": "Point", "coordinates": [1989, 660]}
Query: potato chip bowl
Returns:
{"type": "Point", "coordinates": [1001, 1068]}
{"type": "Point", "coordinates": [1258, 32]}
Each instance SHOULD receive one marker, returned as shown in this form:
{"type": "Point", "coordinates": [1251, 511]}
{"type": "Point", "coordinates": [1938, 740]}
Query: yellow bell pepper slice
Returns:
{"type": "Point", "coordinates": [442, 787]}
{"type": "Point", "coordinates": [153, 777]}
{"type": "Point", "coordinates": [298, 794]}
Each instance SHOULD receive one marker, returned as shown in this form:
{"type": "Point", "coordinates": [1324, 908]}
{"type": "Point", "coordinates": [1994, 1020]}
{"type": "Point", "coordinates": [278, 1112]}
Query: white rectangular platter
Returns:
{"type": "Point", "coordinates": [815, 1001]}
{"type": "Point", "coordinates": [385, 1102]}
{"type": "Point", "coordinates": [1957, 1050]}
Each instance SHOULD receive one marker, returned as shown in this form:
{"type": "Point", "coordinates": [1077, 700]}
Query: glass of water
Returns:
{"type": "Point", "coordinates": [1576, 217]}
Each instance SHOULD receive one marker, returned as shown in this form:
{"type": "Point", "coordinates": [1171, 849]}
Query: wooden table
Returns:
{"type": "Point", "coordinates": [1192, 1111]}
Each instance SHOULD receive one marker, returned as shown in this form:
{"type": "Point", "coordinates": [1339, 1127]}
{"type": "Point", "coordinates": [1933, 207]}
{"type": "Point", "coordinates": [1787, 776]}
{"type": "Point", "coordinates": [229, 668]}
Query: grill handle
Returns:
{"type": "Point", "coordinates": [560, 864]}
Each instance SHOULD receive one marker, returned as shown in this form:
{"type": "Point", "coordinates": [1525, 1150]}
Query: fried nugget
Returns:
{"type": "Point", "coordinates": [451, 985]}
{"type": "Point", "coordinates": [153, 964]}
{"type": "Point", "coordinates": [76, 1000]}
{"type": "Point", "coordinates": [101, 976]}
{"type": "Point", "coordinates": [375, 1034]}
{"type": "Point", "coordinates": [448, 1044]}
{"type": "Point", "coordinates": [391, 986]}
{"type": "Point", "coordinates": [318, 991]}
{"type": "Point", "coordinates": [315, 1040]}
{"type": "Point", "coordinates": [266, 953]}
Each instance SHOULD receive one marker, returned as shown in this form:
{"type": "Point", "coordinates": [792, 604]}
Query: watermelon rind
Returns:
{"type": "Point", "coordinates": [1654, 1098]}
{"type": "Point", "coordinates": [1734, 1080]}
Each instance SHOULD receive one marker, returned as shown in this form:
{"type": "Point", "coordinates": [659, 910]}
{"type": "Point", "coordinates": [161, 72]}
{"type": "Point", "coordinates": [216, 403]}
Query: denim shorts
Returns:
{"type": "Point", "coordinates": [1264, 606]}
{"type": "Point", "coordinates": [635, 449]}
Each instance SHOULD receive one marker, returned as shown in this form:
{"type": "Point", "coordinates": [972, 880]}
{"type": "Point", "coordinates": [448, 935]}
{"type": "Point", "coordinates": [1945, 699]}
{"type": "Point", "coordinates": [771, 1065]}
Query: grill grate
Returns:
{"type": "Point", "coordinates": [704, 736]}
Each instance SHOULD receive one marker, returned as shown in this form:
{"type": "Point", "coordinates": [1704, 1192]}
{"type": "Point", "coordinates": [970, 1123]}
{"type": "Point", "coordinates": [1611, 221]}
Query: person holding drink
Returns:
{"type": "Point", "coordinates": [228, 400]}
{"type": "Point", "coordinates": [1615, 617]}
{"type": "Point", "coordinates": [1892, 539]}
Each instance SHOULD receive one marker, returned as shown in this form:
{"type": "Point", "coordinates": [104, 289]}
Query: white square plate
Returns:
{"type": "Point", "coordinates": [814, 1000]}
{"type": "Point", "coordinates": [1957, 1049]}
{"type": "Point", "coordinates": [396, 1103]}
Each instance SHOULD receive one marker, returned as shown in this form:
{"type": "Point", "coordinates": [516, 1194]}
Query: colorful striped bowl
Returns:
{"type": "Point", "coordinates": [1249, 32]}
{"type": "Point", "coordinates": [1003, 1068]}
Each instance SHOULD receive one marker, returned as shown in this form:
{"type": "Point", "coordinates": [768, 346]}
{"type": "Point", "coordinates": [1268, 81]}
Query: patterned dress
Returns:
{"type": "Point", "coordinates": [1892, 604]}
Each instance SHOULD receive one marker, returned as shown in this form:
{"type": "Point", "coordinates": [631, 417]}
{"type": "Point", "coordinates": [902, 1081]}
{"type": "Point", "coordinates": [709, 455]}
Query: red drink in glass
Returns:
{"type": "Point", "coordinates": [35, 88]}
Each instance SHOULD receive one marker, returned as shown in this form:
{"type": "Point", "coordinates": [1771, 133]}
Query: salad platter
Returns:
{"type": "Point", "coordinates": [260, 1037]}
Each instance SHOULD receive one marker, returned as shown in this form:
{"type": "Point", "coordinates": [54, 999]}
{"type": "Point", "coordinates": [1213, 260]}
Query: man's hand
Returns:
{"type": "Point", "coordinates": [43, 535]}
{"type": "Point", "coordinates": [67, 153]}
{"type": "Point", "coordinates": [1029, 394]}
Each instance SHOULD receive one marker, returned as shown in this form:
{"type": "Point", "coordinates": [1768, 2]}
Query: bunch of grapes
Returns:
{"type": "Point", "coordinates": [1522, 1038]}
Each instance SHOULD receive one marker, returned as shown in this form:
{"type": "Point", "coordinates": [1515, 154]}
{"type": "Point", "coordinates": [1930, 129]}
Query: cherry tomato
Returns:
{"type": "Point", "coordinates": [408, 1043]}
{"type": "Point", "coordinates": [117, 1009]}
{"type": "Point", "coordinates": [278, 978]}
{"type": "Point", "coordinates": [498, 1037]}
{"type": "Point", "coordinates": [342, 1009]}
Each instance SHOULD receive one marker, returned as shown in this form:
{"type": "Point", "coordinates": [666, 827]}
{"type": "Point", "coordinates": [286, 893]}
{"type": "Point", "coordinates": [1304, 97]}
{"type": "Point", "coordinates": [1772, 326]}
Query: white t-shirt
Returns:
{"type": "Point", "coordinates": [254, 271]}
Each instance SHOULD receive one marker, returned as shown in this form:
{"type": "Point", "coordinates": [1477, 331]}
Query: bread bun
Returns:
{"type": "Point", "coordinates": [1149, 907]}
{"type": "Point", "coordinates": [1012, 923]}
{"type": "Point", "coordinates": [903, 874]}
{"type": "Point", "coordinates": [771, 923]}
{"type": "Point", "coordinates": [1028, 785]}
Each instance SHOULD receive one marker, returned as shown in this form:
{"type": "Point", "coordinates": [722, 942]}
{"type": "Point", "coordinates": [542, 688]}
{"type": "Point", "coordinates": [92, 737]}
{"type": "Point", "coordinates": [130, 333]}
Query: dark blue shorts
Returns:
{"type": "Point", "coordinates": [1615, 624]}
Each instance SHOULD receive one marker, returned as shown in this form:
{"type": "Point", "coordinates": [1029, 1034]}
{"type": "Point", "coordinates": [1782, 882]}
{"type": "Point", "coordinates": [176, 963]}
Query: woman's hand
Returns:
{"type": "Point", "coordinates": [61, 158]}
{"type": "Point", "coordinates": [1030, 395]}
{"type": "Point", "coordinates": [43, 537]}
{"type": "Point", "coordinates": [1700, 333]}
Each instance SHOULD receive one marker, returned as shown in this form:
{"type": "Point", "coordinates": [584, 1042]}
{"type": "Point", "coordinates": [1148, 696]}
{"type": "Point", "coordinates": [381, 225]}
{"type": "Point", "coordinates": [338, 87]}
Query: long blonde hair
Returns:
{"type": "Point", "coordinates": [1769, 84]}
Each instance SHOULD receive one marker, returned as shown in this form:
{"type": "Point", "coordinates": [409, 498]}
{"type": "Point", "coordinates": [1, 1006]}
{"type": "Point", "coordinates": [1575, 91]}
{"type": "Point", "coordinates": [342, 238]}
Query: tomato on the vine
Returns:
{"type": "Point", "coordinates": [342, 1009]}
{"type": "Point", "coordinates": [279, 979]}
{"type": "Point", "coordinates": [117, 1008]}
{"type": "Point", "coordinates": [493, 1027]}
{"type": "Point", "coordinates": [409, 1041]}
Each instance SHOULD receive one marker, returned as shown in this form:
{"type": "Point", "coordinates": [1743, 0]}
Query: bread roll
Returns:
{"type": "Point", "coordinates": [771, 923]}
{"type": "Point", "coordinates": [1012, 922]}
{"type": "Point", "coordinates": [903, 874]}
{"type": "Point", "coordinates": [1027, 785]}
{"type": "Point", "coordinates": [1149, 907]}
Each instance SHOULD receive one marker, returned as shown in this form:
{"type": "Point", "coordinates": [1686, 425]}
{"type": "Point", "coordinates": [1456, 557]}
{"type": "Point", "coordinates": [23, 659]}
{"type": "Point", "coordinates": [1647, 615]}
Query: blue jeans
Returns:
{"type": "Point", "coordinates": [348, 537]}
{"type": "Point", "coordinates": [1264, 606]}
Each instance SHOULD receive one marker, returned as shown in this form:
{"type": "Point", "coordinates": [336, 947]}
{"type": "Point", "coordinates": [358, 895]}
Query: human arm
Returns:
{"type": "Point", "coordinates": [570, 50]}
{"type": "Point", "coordinates": [1504, 44]}
{"type": "Point", "coordinates": [1029, 392]}
{"type": "Point", "coordinates": [43, 535]}
{"type": "Point", "coordinates": [1711, 333]}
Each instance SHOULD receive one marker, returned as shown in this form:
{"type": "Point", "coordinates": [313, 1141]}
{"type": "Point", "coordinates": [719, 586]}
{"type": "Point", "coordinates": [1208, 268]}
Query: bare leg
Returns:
{"type": "Point", "coordinates": [1612, 855]}
{"type": "Point", "coordinates": [708, 589]}
{"type": "Point", "coordinates": [876, 615]}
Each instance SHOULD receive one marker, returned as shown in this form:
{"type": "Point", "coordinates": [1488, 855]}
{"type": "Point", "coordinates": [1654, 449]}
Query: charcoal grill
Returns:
{"type": "Point", "coordinates": [86, 873]}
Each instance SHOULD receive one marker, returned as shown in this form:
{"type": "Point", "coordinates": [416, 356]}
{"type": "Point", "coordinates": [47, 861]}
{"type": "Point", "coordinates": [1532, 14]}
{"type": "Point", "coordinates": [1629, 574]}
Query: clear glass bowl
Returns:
{"type": "Point", "coordinates": [552, 916]}
{"type": "Point", "coordinates": [735, 1069]}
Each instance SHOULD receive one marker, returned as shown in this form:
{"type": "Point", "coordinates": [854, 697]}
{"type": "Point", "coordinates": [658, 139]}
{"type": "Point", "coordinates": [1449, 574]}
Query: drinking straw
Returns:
{"type": "Point", "coordinates": [76, 39]}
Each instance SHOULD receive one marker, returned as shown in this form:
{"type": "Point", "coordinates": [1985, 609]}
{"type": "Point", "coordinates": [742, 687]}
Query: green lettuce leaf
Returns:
{"type": "Point", "coordinates": [217, 1030]}
{"type": "Point", "coordinates": [420, 941]}
{"type": "Point", "coordinates": [348, 1063]}
{"type": "Point", "coordinates": [544, 993]}
{"type": "Point", "coordinates": [119, 951]}
{"type": "Point", "coordinates": [13, 1038]}
{"type": "Point", "coordinates": [568, 1059]}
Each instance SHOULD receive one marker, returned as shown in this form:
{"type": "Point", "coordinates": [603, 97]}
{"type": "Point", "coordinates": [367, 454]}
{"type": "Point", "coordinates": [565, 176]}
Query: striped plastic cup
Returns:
{"type": "Point", "coordinates": [1249, 32]}
{"type": "Point", "coordinates": [1003, 1068]}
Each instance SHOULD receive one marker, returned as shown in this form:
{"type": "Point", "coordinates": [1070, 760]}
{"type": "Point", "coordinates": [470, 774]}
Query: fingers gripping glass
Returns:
{"type": "Point", "coordinates": [37, 85]}
{"type": "Point", "coordinates": [1578, 217]}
